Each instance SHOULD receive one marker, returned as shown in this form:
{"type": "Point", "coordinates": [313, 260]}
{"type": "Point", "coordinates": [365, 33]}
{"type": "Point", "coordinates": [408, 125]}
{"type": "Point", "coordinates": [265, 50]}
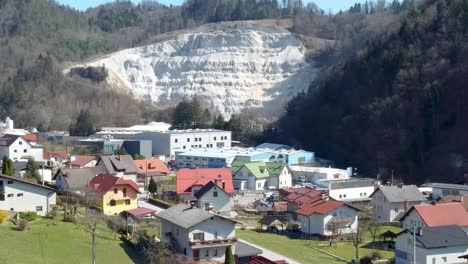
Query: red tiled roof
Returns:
{"type": "Point", "coordinates": [441, 214]}
{"type": "Point", "coordinates": [263, 260]}
{"type": "Point", "coordinates": [455, 199]}
{"type": "Point", "coordinates": [81, 160]}
{"type": "Point", "coordinates": [30, 137]}
{"type": "Point", "coordinates": [187, 178]}
{"type": "Point", "coordinates": [103, 183]}
{"type": "Point", "coordinates": [280, 206]}
{"type": "Point", "coordinates": [151, 166]}
{"type": "Point", "coordinates": [61, 154]}
{"type": "Point", "coordinates": [319, 206]}
{"type": "Point", "coordinates": [303, 195]}
{"type": "Point", "coordinates": [142, 211]}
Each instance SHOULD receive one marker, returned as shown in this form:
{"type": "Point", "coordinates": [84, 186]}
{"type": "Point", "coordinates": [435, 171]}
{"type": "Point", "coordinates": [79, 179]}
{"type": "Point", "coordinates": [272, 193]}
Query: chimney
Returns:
{"type": "Point", "coordinates": [223, 185]}
{"type": "Point", "coordinates": [419, 231]}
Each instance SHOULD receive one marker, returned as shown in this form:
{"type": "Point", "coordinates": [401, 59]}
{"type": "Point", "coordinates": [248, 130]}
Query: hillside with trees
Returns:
{"type": "Point", "coordinates": [397, 104]}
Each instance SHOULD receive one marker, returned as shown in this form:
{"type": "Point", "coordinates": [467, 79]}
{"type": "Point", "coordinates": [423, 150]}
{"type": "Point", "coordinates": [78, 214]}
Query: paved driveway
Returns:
{"type": "Point", "coordinates": [270, 254]}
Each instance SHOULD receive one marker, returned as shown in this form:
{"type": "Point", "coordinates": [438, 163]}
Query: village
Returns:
{"type": "Point", "coordinates": [196, 196]}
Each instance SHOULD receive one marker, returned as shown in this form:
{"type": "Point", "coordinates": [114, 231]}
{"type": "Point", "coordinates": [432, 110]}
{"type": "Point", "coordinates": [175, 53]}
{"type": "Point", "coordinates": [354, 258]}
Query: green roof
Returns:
{"type": "Point", "coordinates": [237, 165]}
{"type": "Point", "coordinates": [265, 169]}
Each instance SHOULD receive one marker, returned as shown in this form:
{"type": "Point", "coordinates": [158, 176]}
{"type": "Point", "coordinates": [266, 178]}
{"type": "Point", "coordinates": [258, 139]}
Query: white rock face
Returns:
{"type": "Point", "coordinates": [230, 65]}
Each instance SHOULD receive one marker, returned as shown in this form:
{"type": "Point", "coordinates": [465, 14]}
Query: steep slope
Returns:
{"type": "Point", "coordinates": [229, 65]}
{"type": "Point", "coordinates": [399, 106]}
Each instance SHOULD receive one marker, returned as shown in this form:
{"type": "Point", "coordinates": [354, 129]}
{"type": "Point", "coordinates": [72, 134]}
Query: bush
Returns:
{"type": "Point", "coordinates": [159, 203]}
{"type": "Point", "coordinates": [30, 216]}
{"type": "Point", "coordinates": [51, 214]}
{"type": "Point", "coordinates": [4, 215]}
{"type": "Point", "coordinates": [71, 219]}
{"type": "Point", "coordinates": [23, 224]}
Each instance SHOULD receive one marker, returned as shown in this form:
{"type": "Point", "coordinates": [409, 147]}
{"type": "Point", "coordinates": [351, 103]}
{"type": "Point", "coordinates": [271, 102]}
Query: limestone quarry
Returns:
{"type": "Point", "coordinates": [230, 66]}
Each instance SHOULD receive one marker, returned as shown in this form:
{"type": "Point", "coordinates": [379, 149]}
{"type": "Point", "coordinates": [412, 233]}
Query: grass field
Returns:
{"type": "Point", "coordinates": [53, 241]}
{"type": "Point", "coordinates": [302, 251]}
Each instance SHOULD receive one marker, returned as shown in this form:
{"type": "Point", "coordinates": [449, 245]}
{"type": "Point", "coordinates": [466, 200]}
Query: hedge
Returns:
{"type": "Point", "coordinates": [159, 203]}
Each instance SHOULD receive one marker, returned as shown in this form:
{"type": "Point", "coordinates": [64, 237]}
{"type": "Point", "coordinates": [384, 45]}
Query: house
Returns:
{"type": "Point", "coordinates": [444, 189]}
{"type": "Point", "coordinates": [390, 202]}
{"type": "Point", "coordinates": [20, 148]}
{"type": "Point", "coordinates": [190, 181]}
{"type": "Point", "coordinates": [196, 233]}
{"type": "Point", "coordinates": [430, 215]}
{"type": "Point", "coordinates": [326, 216]}
{"type": "Point", "coordinates": [263, 175]}
{"type": "Point", "coordinates": [55, 158]}
{"type": "Point", "coordinates": [295, 197]}
{"type": "Point", "coordinates": [110, 146]}
{"type": "Point", "coordinates": [115, 194]}
{"type": "Point", "coordinates": [121, 166]}
{"type": "Point", "coordinates": [454, 199]}
{"type": "Point", "coordinates": [439, 244]}
{"type": "Point", "coordinates": [148, 168]}
{"type": "Point", "coordinates": [244, 252]}
{"type": "Point", "coordinates": [213, 198]}
{"type": "Point", "coordinates": [135, 216]}
{"type": "Point", "coordinates": [82, 161]}
{"type": "Point", "coordinates": [75, 179]}
{"type": "Point", "coordinates": [18, 195]}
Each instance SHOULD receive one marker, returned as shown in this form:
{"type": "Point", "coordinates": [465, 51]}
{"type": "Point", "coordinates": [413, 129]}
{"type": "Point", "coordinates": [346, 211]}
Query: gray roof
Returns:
{"type": "Point", "coordinates": [116, 163]}
{"type": "Point", "coordinates": [442, 236]}
{"type": "Point", "coordinates": [403, 193]}
{"type": "Point", "coordinates": [244, 250]}
{"type": "Point", "coordinates": [446, 186]}
{"type": "Point", "coordinates": [2, 176]}
{"type": "Point", "coordinates": [185, 216]}
{"type": "Point", "coordinates": [273, 146]}
{"type": "Point", "coordinates": [78, 178]}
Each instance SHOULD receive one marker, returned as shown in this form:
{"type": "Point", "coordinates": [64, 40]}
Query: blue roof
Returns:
{"type": "Point", "coordinates": [273, 146]}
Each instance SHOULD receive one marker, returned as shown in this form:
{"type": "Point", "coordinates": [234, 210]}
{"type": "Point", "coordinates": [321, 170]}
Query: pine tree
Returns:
{"type": "Point", "coordinates": [32, 170]}
{"type": "Point", "coordinates": [11, 171]}
{"type": "Point", "coordinates": [229, 258]}
{"type": "Point", "coordinates": [83, 125]}
{"type": "Point", "coordinates": [152, 186]}
{"type": "Point", "coordinates": [7, 166]}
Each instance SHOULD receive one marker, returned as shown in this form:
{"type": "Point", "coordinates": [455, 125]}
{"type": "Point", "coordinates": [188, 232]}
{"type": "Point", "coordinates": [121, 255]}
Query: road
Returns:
{"type": "Point", "coordinates": [270, 254]}
{"type": "Point", "coordinates": [143, 203]}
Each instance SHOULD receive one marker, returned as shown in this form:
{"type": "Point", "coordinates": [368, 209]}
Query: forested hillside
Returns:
{"type": "Point", "coordinates": [397, 104]}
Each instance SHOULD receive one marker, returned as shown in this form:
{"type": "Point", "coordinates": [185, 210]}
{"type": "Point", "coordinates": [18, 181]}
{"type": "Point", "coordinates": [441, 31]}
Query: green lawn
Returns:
{"type": "Point", "coordinates": [302, 251]}
{"type": "Point", "coordinates": [54, 241]}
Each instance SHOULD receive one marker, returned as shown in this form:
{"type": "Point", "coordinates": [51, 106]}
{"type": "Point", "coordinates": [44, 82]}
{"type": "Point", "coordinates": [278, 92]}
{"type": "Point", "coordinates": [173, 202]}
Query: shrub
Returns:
{"type": "Point", "coordinates": [30, 216]}
{"type": "Point", "coordinates": [71, 219]}
{"type": "Point", "coordinates": [4, 215]}
{"type": "Point", "coordinates": [51, 214]}
{"type": "Point", "coordinates": [159, 203]}
{"type": "Point", "coordinates": [23, 224]}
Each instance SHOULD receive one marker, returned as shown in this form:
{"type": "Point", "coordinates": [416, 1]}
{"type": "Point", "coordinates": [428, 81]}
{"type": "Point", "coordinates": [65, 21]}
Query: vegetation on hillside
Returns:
{"type": "Point", "coordinates": [397, 105]}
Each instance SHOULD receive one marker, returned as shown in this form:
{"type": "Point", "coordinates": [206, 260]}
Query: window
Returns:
{"type": "Point", "coordinates": [10, 182]}
{"type": "Point", "coordinates": [125, 193]}
{"type": "Point", "coordinates": [19, 195]}
{"type": "Point", "coordinates": [188, 139]}
{"type": "Point", "coordinates": [112, 202]}
{"type": "Point", "coordinates": [184, 147]}
{"type": "Point", "coordinates": [127, 202]}
{"type": "Point", "coordinates": [10, 195]}
{"type": "Point", "coordinates": [259, 185]}
{"type": "Point", "coordinates": [196, 139]}
{"type": "Point", "coordinates": [334, 213]}
{"type": "Point", "coordinates": [207, 253]}
{"type": "Point", "coordinates": [215, 235]}
{"type": "Point", "coordinates": [433, 260]}
{"type": "Point", "coordinates": [344, 195]}
{"type": "Point", "coordinates": [216, 252]}
{"type": "Point", "coordinates": [2, 197]}
{"type": "Point", "coordinates": [199, 236]}
{"type": "Point", "coordinates": [396, 209]}
{"type": "Point", "coordinates": [15, 151]}
{"type": "Point", "coordinates": [176, 140]}
{"type": "Point", "coordinates": [207, 145]}
{"type": "Point", "coordinates": [38, 208]}
{"type": "Point", "coordinates": [21, 142]}
{"type": "Point", "coordinates": [409, 241]}
{"type": "Point", "coordinates": [25, 151]}
{"type": "Point", "coordinates": [199, 139]}
{"type": "Point", "coordinates": [207, 206]}
{"type": "Point", "coordinates": [341, 196]}
{"type": "Point", "coordinates": [214, 138]}
{"type": "Point", "coordinates": [444, 259]}
{"type": "Point", "coordinates": [115, 190]}
{"type": "Point", "coordinates": [215, 194]}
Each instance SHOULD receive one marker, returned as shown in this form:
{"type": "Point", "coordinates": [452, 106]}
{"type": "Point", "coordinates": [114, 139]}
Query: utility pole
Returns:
{"type": "Point", "coordinates": [94, 243]}
{"type": "Point", "coordinates": [414, 244]}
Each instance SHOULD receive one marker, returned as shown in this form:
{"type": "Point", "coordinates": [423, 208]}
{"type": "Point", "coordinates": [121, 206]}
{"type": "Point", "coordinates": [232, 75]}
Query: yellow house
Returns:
{"type": "Point", "coordinates": [115, 194]}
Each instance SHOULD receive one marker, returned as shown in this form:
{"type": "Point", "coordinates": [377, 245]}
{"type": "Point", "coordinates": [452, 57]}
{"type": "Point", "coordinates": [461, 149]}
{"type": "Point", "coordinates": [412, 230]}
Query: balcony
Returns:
{"type": "Point", "coordinates": [211, 243]}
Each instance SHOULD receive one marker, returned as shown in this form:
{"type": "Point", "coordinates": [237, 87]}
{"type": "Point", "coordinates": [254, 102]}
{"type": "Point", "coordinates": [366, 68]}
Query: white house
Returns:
{"type": "Point", "coordinates": [213, 198]}
{"type": "Point", "coordinates": [430, 215]}
{"type": "Point", "coordinates": [196, 233]}
{"type": "Point", "coordinates": [326, 217]}
{"type": "Point", "coordinates": [263, 175]}
{"type": "Point", "coordinates": [389, 203]}
{"type": "Point", "coordinates": [18, 148]}
{"type": "Point", "coordinates": [434, 245]}
{"type": "Point", "coordinates": [21, 196]}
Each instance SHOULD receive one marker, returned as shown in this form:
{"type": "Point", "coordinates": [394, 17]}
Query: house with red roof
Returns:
{"type": "Point", "coordinates": [55, 158]}
{"type": "Point", "coordinates": [190, 181]}
{"type": "Point", "coordinates": [115, 194]}
{"type": "Point", "coordinates": [319, 214]}
{"type": "Point", "coordinates": [20, 148]}
{"type": "Point", "coordinates": [148, 168]}
{"type": "Point", "coordinates": [431, 215]}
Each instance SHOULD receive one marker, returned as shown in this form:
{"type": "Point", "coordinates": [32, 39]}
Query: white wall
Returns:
{"type": "Point", "coordinates": [21, 149]}
{"type": "Point", "coordinates": [32, 197]}
{"type": "Point", "coordinates": [285, 178]}
{"type": "Point", "coordinates": [354, 193]}
{"type": "Point", "coordinates": [312, 224]}
{"type": "Point", "coordinates": [221, 203]}
{"type": "Point", "coordinates": [384, 211]}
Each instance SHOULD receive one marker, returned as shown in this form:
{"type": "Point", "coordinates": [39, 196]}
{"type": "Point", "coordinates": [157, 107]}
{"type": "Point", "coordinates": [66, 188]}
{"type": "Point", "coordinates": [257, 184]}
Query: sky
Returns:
{"type": "Point", "coordinates": [327, 5]}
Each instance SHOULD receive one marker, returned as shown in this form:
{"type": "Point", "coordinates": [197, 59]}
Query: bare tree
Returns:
{"type": "Point", "coordinates": [373, 228]}
{"type": "Point", "coordinates": [335, 233]}
{"type": "Point", "coordinates": [91, 221]}
{"type": "Point", "coordinates": [357, 239]}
